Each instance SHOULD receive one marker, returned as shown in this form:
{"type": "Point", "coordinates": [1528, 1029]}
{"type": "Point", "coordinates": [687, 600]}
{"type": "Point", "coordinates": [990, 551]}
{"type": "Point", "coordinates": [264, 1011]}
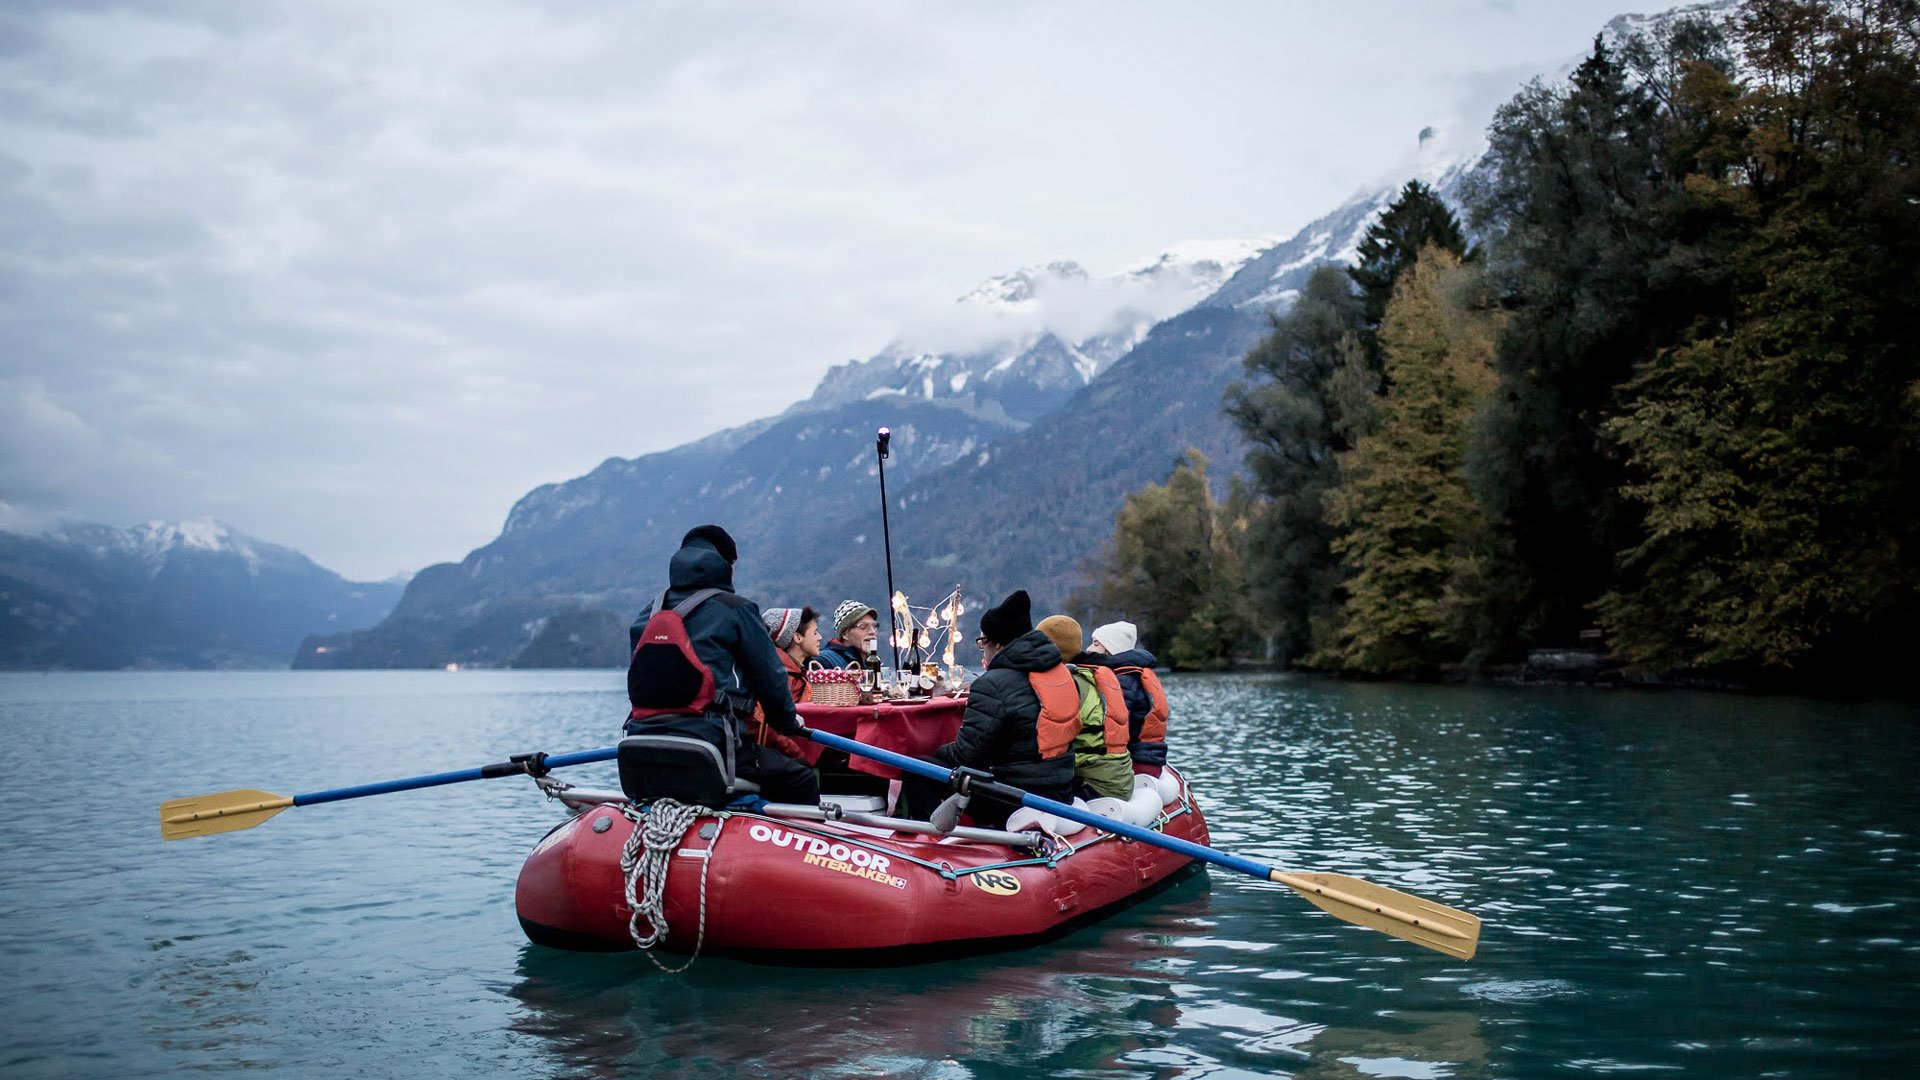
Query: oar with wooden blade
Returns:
{"type": "Point", "coordinates": [231, 811]}
{"type": "Point", "coordinates": [1353, 899]}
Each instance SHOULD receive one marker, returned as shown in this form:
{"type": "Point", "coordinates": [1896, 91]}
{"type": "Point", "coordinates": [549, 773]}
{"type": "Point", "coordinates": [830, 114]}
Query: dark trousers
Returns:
{"type": "Point", "coordinates": [781, 778]}
{"type": "Point", "coordinates": [920, 796]}
{"type": "Point", "coordinates": [838, 776]}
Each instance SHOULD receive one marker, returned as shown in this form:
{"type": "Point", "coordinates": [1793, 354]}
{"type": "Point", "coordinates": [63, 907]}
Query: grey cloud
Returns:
{"type": "Point", "coordinates": [355, 277]}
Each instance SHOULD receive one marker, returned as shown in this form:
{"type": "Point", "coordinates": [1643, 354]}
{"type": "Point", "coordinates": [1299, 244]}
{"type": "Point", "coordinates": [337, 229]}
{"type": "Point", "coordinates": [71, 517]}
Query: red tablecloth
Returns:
{"type": "Point", "coordinates": [915, 728]}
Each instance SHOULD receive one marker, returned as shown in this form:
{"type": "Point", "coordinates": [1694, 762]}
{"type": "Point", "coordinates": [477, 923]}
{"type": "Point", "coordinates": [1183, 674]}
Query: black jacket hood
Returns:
{"type": "Point", "coordinates": [699, 566]}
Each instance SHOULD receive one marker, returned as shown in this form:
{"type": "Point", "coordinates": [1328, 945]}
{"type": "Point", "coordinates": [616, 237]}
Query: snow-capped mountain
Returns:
{"type": "Point", "coordinates": [168, 594]}
{"type": "Point", "coordinates": [1275, 277]}
{"type": "Point", "coordinates": [1020, 290]}
{"type": "Point", "coordinates": [1068, 407]}
{"type": "Point", "coordinates": [153, 542]}
{"type": "Point", "coordinates": [1013, 382]}
{"type": "Point", "coordinates": [1032, 337]}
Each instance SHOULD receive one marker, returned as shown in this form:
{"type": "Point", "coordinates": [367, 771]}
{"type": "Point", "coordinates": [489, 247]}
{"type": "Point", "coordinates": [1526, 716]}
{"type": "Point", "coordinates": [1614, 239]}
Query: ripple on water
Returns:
{"type": "Point", "coordinates": [1519, 991]}
{"type": "Point", "coordinates": [1419, 1070]}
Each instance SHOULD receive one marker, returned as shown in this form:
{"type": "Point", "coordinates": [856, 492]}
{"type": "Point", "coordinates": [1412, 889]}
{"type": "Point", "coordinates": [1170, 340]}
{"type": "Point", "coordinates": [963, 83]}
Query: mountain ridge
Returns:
{"type": "Point", "coordinates": [191, 594]}
{"type": "Point", "coordinates": [971, 432]}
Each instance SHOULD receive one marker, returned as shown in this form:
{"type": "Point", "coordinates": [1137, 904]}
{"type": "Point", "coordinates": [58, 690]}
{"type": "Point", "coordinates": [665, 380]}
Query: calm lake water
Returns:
{"type": "Point", "coordinates": [1685, 883]}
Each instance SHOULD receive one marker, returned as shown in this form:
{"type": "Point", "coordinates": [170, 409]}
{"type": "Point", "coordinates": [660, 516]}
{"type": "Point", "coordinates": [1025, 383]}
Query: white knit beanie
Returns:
{"type": "Point", "coordinates": [1117, 637]}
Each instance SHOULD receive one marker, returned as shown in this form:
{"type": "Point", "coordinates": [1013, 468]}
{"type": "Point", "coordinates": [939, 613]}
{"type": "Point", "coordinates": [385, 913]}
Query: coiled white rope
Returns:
{"type": "Point", "coordinates": [644, 862]}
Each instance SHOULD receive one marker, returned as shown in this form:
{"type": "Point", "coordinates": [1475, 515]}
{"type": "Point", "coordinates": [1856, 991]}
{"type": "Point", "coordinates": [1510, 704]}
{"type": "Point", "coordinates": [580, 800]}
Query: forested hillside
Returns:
{"type": "Point", "coordinates": [1668, 408]}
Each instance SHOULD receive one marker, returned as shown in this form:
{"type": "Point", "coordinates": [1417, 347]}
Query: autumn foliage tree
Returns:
{"type": "Point", "coordinates": [1774, 451]}
{"type": "Point", "coordinates": [1407, 526]}
{"type": "Point", "coordinates": [1174, 569]}
{"type": "Point", "coordinates": [1311, 390]}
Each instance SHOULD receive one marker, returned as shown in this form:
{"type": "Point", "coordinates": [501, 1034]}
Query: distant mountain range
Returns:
{"type": "Point", "coordinates": [1010, 455]}
{"type": "Point", "coordinates": [161, 595]}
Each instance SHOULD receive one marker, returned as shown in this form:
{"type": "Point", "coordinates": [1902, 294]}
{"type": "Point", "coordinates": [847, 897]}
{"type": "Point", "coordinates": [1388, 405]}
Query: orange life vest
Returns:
{"type": "Point", "coordinates": [766, 736]}
{"type": "Point", "coordinates": [1059, 717]}
{"type": "Point", "coordinates": [1116, 702]}
{"type": "Point", "coordinates": [1154, 728]}
{"type": "Point", "coordinates": [797, 683]}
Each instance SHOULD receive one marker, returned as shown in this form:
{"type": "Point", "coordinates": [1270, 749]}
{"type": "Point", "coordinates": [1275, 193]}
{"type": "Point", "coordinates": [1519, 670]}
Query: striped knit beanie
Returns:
{"type": "Point", "coordinates": [782, 624]}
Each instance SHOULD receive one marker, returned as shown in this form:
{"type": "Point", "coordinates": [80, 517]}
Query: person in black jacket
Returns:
{"type": "Point", "coordinates": [1001, 729]}
{"type": "Point", "coordinates": [730, 638]}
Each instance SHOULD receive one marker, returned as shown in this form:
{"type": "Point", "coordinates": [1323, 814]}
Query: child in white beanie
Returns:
{"type": "Point", "coordinates": [1117, 645]}
{"type": "Point", "coordinates": [1116, 637]}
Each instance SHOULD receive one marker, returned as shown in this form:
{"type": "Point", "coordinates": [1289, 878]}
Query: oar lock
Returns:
{"type": "Point", "coordinates": [962, 779]}
{"type": "Point", "coordinates": [534, 765]}
{"type": "Point", "coordinates": [969, 781]}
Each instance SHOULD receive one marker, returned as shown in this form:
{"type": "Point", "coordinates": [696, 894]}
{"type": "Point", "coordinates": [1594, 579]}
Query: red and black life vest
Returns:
{"type": "Point", "coordinates": [665, 676]}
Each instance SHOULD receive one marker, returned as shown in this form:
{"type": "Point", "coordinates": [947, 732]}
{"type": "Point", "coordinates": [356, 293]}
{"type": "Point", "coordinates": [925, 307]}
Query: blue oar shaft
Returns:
{"type": "Point", "coordinates": [483, 772]}
{"type": "Point", "coordinates": [1057, 809]}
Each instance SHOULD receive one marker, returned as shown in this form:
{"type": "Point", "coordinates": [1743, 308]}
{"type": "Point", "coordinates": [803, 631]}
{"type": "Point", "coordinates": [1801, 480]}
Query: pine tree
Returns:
{"type": "Point", "coordinates": [1416, 218]}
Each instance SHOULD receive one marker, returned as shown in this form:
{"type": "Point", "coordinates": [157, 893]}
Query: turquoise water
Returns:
{"type": "Point", "coordinates": [1680, 883]}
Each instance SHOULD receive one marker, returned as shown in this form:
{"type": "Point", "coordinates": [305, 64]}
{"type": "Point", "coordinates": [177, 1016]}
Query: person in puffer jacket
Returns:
{"type": "Point", "coordinates": [1004, 730]}
{"type": "Point", "coordinates": [1116, 646]}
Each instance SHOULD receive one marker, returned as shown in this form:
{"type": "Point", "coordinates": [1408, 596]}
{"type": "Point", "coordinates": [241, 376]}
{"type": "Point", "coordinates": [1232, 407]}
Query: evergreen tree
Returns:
{"type": "Point", "coordinates": [1775, 452]}
{"type": "Point", "coordinates": [1411, 533]}
{"type": "Point", "coordinates": [1602, 258]}
{"type": "Point", "coordinates": [1308, 394]}
{"type": "Point", "coordinates": [1416, 218]}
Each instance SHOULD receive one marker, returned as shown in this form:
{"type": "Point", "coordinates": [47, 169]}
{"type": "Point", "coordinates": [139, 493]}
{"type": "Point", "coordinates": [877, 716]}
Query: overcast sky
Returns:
{"type": "Point", "coordinates": [353, 277]}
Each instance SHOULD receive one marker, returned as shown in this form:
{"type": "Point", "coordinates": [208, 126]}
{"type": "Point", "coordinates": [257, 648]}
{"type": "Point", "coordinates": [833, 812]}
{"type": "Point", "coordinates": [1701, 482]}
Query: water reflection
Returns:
{"type": "Point", "coordinates": [1019, 1011]}
{"type": "Point", "coordinates": [1708, 885]}
{"type": "Point", "coordinates": [210, 1009]}
{"type": "Point", "coordinates": [1151, 993]}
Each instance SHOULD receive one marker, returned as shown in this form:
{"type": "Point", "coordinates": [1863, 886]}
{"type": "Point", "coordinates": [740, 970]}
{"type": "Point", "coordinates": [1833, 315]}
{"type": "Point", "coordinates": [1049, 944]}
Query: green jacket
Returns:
{"type": "Point", "coordinates": [1104, 775]}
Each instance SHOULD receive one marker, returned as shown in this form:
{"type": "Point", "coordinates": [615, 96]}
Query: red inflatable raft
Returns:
{"type": "Point", "coordinates": [781, 890]}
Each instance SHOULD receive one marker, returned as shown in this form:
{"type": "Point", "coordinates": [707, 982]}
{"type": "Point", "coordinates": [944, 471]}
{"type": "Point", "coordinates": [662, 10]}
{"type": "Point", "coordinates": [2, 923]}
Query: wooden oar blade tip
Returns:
{"type": "Point", "coordinates": [225, 811]}
{"type": "Point", "coordinates": [1376, 907]}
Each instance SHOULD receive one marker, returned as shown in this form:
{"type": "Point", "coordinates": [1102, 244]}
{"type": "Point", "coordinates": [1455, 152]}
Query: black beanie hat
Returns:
{"type": "Point", "coordinates": [1013, 617]}
{"type": "Point", "coordinates": [717, 536]}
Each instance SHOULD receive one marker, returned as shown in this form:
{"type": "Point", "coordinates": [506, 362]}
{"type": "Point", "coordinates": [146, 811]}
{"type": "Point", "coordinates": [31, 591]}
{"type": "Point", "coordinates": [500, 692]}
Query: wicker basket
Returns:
{"type": "Point", "coordinates": [834, 686]}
